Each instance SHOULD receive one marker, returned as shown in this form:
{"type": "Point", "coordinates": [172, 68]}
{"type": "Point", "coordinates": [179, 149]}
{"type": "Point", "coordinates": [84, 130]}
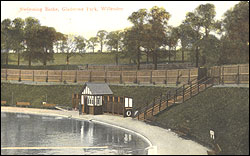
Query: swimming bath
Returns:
{"type": "Point", "coordinates": [64, 136]}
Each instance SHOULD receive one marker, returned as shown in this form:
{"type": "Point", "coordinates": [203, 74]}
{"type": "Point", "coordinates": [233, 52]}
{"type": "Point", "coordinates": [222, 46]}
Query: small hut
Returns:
{"type": "Point", "coordinates": [92, 97]}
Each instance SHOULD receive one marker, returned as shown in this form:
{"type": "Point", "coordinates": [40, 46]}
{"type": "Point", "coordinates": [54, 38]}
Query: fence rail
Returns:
{"type": "Point", "coordinates": [178, 76]}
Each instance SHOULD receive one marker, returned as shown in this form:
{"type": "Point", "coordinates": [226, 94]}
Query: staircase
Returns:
{"type": "Point", "coordinates": [172, 97]}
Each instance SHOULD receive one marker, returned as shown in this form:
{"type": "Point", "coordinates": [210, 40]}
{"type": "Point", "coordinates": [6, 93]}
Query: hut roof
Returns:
{"type": "Point", "coordinates": [98, 88]}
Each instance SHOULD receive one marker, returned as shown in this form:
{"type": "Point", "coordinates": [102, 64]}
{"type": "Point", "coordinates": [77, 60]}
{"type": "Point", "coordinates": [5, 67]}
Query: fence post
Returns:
{"type": "Point", "coordinates": [47, 78]}
{"type": "Point", "coordinates": [90, 72]}
{"type": "Point", "coordinates": [33, 75]}
{"type": "Point", "coordinates": [238, 75]}
{"type": "Point", "coordinates": [20, 75]}
{"type": "Point", "coordinates": [105, 79]}
{"type": "Point", "coordinates": [223, 75]}
{"type": "Point", "coordinates": [121, 77]}
{"type": "Point", "coordinates": [6, 74]}
{"type": "Point", "coordinates": [61, 76]}
{"type": "Point", "coordinates": [151, 77]}
{"type": "Point", "coordinates": [76, 77]}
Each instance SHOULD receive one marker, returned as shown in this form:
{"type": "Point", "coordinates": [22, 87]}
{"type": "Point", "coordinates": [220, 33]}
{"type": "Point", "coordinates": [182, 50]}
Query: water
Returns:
{"type": "Point", "coordinates": [23, 130]}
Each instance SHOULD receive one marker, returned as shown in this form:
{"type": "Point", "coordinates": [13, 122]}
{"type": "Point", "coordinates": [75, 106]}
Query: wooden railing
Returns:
{"type": "Point", "coordinates": [172, 97]}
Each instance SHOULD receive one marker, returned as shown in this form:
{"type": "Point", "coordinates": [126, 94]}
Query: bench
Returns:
{"type": "Point", "coordinates": [22, 104]}
{"type": "Point", "coordinates": [3, 102]}
{"type": "Point", "coordinates": [49, 105]}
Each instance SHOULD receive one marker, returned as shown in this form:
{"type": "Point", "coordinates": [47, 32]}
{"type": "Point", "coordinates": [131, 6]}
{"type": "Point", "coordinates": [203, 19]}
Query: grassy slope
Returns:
{"type": "Point", "coordinates": [224, 110]}
{"type": "Point", "coordinates": [62, 94]}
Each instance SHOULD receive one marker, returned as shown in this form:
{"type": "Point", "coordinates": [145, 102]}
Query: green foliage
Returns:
{"type": "Point", "coordinates": [235, 41]}
{"type": "Point", "coordinates": [101, 35]}
{"type": "Point", "coordinates": [92, 43]}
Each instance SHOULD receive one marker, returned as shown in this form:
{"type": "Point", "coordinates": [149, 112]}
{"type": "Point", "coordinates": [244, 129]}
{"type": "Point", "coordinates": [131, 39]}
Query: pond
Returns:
{"type": "Point", "coordinates": [23, 134]}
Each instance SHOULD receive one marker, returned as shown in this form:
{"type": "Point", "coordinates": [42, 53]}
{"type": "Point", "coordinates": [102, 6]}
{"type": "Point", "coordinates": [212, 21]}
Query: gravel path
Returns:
{"type": "Point", "coordinates": [161, 141]}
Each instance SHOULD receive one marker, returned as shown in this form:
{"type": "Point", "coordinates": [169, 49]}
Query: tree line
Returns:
{"type": "Point", "coordinates": [208, 41]}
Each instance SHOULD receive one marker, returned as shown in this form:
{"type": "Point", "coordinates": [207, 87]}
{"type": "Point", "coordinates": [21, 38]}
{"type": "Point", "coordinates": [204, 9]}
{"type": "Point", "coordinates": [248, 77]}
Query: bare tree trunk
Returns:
{"type": "Point", "coordinates": [147, 53]}
{"type": "Point", "coordinates": [18, 58]}
{"type": "Point", "coordinates": [101, 47]}
{"type": "Point", "coordinates": [182, 52]}
{"type": "Point", "coordinates": [29, 60]}
{"type": "Point", "coordinates": [174, 53]}
{"type": "Point", "coordinates": [138, 61]}
{"type": "Point", "coordinates": [155, 60]}
{"type": "Point", "coordinates": [169, 54]}
{"type": "Point", "coordinates": [197, 57]}
{"type": "Point", "coordinates": [7, 58]}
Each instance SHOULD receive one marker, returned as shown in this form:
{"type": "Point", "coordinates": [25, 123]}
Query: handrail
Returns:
{"type": "Point", "coordinates": [173, 93]}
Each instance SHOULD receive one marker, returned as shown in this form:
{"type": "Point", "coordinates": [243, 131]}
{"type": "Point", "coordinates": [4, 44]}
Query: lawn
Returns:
{"type": "Point", "coordinates": [59, 61]}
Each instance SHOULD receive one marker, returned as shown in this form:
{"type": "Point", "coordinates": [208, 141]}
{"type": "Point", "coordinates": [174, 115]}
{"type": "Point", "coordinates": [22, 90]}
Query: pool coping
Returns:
{"type": "Point", "coordinates": [155, 136]}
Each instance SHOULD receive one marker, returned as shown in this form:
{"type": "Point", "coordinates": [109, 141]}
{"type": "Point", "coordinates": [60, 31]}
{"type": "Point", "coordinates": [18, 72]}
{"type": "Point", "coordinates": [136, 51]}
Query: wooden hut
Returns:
{"type": "Point", "coordinates": [92, 97]}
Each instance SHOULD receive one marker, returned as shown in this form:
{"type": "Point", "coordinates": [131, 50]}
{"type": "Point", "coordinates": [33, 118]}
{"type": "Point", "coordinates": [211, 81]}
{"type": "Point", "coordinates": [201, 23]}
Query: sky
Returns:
{"type": "Point", "coordinates": [86, 18]}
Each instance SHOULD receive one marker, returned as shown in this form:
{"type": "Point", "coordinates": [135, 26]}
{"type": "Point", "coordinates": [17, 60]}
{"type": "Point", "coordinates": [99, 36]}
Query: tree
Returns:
{"type": "Point", "coordinates": [59, 42]}
{"type": "Point", "coordinates": [114, 42]}
{"type": "Point", "coordinates": [210, 50]}
{"type": "Point", "coordinates": [69, 47]}
{"type": "Point", "coordinates": [101, 35]}
{"type": "Point", "coordinates": [6, 38]}
{"type": "Point", "coordinates": [30, 32]}
{"type": "Point", "coordinates": [135, 33]}
{"type": "Point", "coordinates": [92, 43]}
{"type": "Point", "coordinates": [47, 36]}
{"type": "Point", "coordinates": [80, 43]}
{"type": "Point", "coordinates": [131, 48]}
{"type": "Point", "coordinates": [158, 19]}
{"type": "Point", "coordinates": [235, 39]}
{"type": "Point", "coordinates": [202, 22]}
{"type": "Point", "coordinates": [186, 35]}
{"type": "Point", "coordinates": [171, 41]}
{"type": "Point", "coordinates": [18, 37]}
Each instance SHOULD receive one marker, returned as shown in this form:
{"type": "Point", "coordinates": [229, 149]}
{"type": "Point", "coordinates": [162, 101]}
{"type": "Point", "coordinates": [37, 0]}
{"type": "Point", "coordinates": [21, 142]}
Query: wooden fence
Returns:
{"type": "Point", "coordinates": [230, 74]}
{"type": "Point", "coordinates": [177, 76]}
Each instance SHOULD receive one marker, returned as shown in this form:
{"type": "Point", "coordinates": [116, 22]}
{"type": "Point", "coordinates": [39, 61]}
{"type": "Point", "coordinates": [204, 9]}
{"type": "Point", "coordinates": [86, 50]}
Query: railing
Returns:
{"type": "Point", "coordinates": [172, 97]}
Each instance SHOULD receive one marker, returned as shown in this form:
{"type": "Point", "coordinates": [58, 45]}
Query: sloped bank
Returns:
{"type": "Point", "coordinates": [223, 110]}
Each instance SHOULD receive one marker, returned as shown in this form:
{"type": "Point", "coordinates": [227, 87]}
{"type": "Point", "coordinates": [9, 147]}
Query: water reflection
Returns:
{"type": "Point", "coordinates": [19, 130]}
